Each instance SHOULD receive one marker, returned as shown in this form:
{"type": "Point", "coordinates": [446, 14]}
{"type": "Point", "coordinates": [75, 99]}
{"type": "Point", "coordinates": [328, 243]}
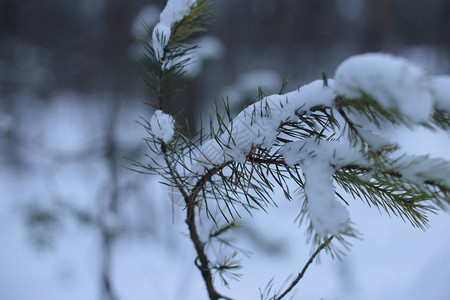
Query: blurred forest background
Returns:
{"type": "Point", "coordinates": [77, 224]}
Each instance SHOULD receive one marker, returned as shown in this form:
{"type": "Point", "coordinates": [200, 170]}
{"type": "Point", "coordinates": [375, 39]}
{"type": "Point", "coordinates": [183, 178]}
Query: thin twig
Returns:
{"type": "Point", "coordinates": [207, 177]}
{"type": "Point", "coordinates": [222, 230]}
{"type": "Point", "coordinates": [203, 266]}
{"type": "Point", "coordinates": [302, 273]}
{"type": "Point", "coordinates": [349, 122]}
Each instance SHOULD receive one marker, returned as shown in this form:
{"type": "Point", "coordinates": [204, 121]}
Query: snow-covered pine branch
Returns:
{"type": "Point", "coordinates": [325, 135]}
{"type": "Point", "coordinates": [399, 91]}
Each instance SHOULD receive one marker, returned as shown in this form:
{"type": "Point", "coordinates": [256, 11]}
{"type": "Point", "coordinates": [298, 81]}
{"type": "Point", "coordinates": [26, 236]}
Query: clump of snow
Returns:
{"type": "Point", "coordinates": [162, 126]}
{"type": "Point", "coordinates": [393, 82]}
{"type": "Point", "coordinates": [440, 87]}
{"type": "Point", "coordinates": [420, 169]}
{"type": "Point", "coordinates": [160, 38]}
{"type": "Point", "coordinates": [328, 217]}
{"type": "Point", "coordinates": [335, 153]}
{"type": "Point", "coordinates": [174, 11]}
{"type": "Point", "coordinates": [318, 162]}
{"type": "Point", "coordinates": [258, 123]}
{"type": "Point", "coordinates": [375, 141]}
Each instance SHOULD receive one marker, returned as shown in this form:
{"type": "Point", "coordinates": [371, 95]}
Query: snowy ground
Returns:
{"type": "Point", "coordinates": [393, 261]}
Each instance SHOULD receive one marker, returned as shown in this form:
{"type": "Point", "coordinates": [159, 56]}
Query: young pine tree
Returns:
{"type": "Point", "coordinates": [325, 138]}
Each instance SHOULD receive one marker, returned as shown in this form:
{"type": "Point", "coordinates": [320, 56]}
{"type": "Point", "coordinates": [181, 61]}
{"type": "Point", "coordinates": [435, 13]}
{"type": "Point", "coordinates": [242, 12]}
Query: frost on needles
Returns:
{"type": "Point", "coordinates": [173, 12]}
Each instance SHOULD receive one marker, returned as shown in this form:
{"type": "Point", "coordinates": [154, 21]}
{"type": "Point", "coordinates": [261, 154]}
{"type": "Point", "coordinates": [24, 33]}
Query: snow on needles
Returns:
{"type": "Point", "coordinates": [318, 162]}
{"type": "Point", "coordinates": [162, 126]}
{"type": "Point", "coordinates": [174, 11]}
{"type": "Point", "coordinates": [420, 169]}
{"type": "Point", "coordinates": [258, 124]}
{"type": "Point", "coordinates": [395, 83]}
{"type": "Point", "coordinates": [440, 86]}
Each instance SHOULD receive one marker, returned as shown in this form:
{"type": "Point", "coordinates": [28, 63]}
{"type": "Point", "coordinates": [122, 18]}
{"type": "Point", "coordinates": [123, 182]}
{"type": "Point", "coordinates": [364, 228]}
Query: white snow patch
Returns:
{"type": "Point", "coordinates": [440, 86]}
{"type": "Point", "coordinates": [162, 126]}
{"type": "Point", "coordinates": [160, 37]}
{"type": "Point", "coordinates": [174, 11]}
{"type": "Point", "coordinates": [393, 82]}
{"type": "Point", "coordinates": [335, 153]}
{"type": "Point", "coordinates": [375, 141]}
{"type": "Point", "coordinates": [420, 169]}
{"type": "Point", "coordinates": [258, 123]}
{"type": "Point", "coordinates": [318, 162]}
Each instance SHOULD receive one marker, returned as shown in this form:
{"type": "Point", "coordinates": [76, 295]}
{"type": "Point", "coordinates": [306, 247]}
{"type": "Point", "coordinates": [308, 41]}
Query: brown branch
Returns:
{"type": "Point", "coordinates": [203, 264]}
{"type": "Point", "coordinates": [349, 122]}
{"type": "Point", "coordinates": [205, 178]}
{"type": "Point", "coordinates": [302, 273]}
{"type": "Point", "coordinates": [190, 201]}
{"type": "Point", "coordinates": [259, 160]}
{"type": "Point", "coordinates": [222, 230]}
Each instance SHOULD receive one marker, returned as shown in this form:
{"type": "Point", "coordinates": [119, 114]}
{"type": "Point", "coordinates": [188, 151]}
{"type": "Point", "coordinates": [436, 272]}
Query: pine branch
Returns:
{"type": "Point", "coordinates": [288, 138]}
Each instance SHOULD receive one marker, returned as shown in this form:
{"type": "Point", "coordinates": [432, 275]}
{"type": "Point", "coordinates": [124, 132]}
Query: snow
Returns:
{"type": "Point", "coordinates": [335, 153]}
{"type": "Point", "coordinates": [160, 38]}
{"type": "Point", "coordinates": [258, 123]}
{"type": "Point", "coordinates": [174, 11]}
{"type": "Point", "coordinates": [440, 86]}
{"type": "Point", "coordinates": [318, 162]}
{"type": "Point", "coordinates": [165, 259]}
{"type": "Point", "coordinates": [420, 169]}
{"type": "Point", "coordinates": [162, 126]}
{"type": "Point", "coordinates": [327, 216]}
{"type": "Point", "coordinates": [395, 83]}
{"type": "Point", "coordinates": [375, 141]}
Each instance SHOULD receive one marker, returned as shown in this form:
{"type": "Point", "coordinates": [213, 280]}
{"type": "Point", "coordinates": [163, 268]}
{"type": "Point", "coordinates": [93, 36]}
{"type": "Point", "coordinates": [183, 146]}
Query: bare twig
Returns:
{"type": "Point", "coordinates": [222, 230]}
{"type": "Point", "coordinates": [302, 273]}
